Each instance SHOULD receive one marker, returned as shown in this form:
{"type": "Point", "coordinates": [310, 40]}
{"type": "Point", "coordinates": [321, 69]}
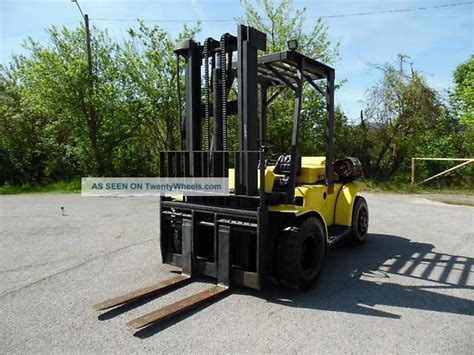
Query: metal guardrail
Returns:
{"type": "Point", "coordinates": [465, 161]}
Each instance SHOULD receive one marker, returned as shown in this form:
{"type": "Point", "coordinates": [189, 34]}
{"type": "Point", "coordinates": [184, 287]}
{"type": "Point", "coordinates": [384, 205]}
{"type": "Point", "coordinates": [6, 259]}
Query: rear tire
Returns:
{"type": "Point", "coordinates": [360, 221]}
{"type": "Point", "coordinates": [300, 254]}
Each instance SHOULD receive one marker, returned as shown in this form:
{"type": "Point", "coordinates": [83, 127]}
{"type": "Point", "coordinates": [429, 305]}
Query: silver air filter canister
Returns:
{"type": "Point", "coordinates": [348, 168]}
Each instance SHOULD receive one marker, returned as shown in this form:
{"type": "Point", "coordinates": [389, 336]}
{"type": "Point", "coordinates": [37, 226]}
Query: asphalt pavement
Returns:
{"type": "Point", "coordinates": [410, 289]}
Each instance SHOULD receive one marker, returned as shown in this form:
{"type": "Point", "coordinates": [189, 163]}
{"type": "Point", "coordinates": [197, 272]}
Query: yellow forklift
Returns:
{"type": "Point", "coordinates": [279, 218]}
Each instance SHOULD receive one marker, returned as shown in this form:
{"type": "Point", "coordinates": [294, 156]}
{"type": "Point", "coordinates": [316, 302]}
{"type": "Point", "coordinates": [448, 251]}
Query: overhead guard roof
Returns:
{"type": "Point", "coordinates": [275, 68]}
{"type": "Point", "coordinates": [281, 68]}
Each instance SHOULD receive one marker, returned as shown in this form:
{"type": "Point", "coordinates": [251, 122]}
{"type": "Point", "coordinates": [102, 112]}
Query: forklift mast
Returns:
{"type": "Point", "coordinates": [210, 71]}
{"type": "Point", "coordinates": [255, 77]}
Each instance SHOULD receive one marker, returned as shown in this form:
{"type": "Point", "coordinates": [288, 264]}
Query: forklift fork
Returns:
{"type": "Point", "coordinates": [177, 308]}
{"type": "Point", "coordinates": [143, 293]}
{"type": "Point", "coordinates": [185, 304]}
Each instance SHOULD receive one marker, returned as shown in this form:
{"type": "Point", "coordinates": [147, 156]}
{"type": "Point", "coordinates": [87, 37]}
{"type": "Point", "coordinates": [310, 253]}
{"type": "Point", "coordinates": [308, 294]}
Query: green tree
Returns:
{"type": "Point", "coordinates": [462, 101]}
{"type": "Point", "coordinates": [31, 151]}
{"type": "Point", "coordinates": [151, 71]}
{"type": "Point", "coordinates": [58, 122]}
{"type": "Point", "coordinates": [96, 113]}
{"type": "Point", "coordinates": [405, 118]}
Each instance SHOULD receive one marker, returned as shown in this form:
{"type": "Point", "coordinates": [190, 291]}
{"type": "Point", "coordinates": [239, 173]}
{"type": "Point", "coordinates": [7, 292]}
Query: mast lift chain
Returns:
{"type": "Point", "coordinates": [224, 69]}
{"type": "Point", "coordinates": [182, 126]}
{"type": "Point", "coordinates": [207, 104]}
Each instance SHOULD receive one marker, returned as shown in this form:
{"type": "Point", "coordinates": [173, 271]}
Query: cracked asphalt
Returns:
{"type": "Point", "coordinates": [410, 289]}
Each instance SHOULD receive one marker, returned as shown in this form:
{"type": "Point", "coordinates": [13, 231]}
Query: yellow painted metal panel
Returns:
{"type": "Point", "coordinates": [335, 208]}
{"type": "Point", "coordinates": [310, 175]}
{"type": "Point", "coordinates": [231, 179]}
{"type": "Point", "coordinates": [269, 178]}
{"type": "Point", "coordinates": [345, 203]}
{"type": "Point", "coordinates": [315, 198]}
{"type": "Point", "coordinates": [308, 161]}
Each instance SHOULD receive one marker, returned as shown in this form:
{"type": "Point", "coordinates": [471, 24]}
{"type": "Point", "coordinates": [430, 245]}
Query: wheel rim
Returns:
{"type": "Point", "coordinates": [362, 221]}
{"type": "Point", "coordinates": [308, 255]}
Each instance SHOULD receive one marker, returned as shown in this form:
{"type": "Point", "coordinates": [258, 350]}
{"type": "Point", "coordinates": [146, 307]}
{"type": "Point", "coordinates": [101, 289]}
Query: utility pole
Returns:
{"type": "Point", "coordinates": [88, 42]}
{"type": "Point", "coordinates": [93, 112]}
{"type": "Point", "coordinates": [94, 125]}
{"type": "Point", "coordinates": [88, 38]}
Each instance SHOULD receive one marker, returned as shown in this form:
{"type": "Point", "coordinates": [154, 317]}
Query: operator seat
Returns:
{"type": "Point", "coordinates": [283, 167]}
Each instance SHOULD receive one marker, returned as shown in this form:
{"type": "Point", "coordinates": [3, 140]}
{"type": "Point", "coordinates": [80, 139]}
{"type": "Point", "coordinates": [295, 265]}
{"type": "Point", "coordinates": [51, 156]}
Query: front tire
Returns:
{"type": "Point", "coordinates": [300, 254]}
{"type": "Point", "coordinates": [360, 221]}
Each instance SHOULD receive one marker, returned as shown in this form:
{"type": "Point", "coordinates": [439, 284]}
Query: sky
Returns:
{"type": "Point", "coordinates": [435, 39]}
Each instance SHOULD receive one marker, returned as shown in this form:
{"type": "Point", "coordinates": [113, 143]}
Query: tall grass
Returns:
{"type": "Point", "coordinates": [60, 186]}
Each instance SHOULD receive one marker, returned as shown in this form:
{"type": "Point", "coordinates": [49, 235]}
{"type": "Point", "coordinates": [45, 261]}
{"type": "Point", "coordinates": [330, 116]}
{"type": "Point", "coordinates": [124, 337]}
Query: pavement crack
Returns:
{"type": "Point", "coordinates": [29, 266]}
{"type": "Point", "coordinates": [74, 267]}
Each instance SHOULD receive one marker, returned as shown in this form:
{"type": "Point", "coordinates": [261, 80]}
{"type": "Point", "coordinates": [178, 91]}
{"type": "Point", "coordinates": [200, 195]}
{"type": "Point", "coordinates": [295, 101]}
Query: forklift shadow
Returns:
{"type": "Point", "coordinates": [387, 271]}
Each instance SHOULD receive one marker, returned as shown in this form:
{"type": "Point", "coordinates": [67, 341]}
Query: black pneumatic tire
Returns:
{"type": "Point", "coordinates": [300, 255]}
{"type": "Point", "coordinates": [360, 221]}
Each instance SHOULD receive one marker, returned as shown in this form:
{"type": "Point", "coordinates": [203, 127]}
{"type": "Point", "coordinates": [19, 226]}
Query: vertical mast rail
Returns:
{"type": "Point", "coordinates": [249, 41]}
{"type": "Point", "coordinates": [330, 131]}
